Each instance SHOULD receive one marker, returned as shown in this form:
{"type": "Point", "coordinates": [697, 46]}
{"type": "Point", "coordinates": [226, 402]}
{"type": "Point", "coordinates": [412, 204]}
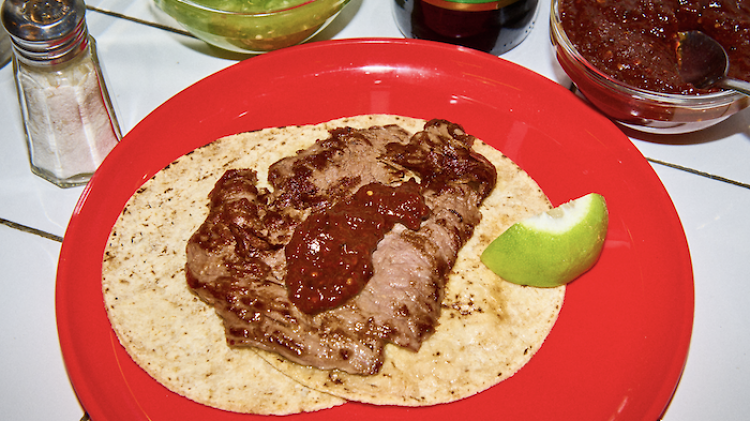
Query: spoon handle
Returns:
{"type": "Point", "coordinates": [736, 84]}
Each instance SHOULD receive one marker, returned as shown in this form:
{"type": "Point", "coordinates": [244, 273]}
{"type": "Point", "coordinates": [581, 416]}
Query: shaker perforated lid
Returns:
{"type": "Point", "coordinates": [45, 29]}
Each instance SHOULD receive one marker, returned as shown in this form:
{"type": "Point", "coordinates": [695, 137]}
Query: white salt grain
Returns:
{"type": "Point", "coordinates": [68, 122]}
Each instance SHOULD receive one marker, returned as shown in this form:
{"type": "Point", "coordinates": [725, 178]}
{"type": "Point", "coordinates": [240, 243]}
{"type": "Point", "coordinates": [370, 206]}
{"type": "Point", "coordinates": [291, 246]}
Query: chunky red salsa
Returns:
{"type": "Point", "coordinates": [329, 258]}
{"type": "Point", "coordinates": [635, 41]}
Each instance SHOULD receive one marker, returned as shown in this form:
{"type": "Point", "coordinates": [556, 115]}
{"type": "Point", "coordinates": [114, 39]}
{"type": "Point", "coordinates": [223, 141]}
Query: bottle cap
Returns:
{"type": "Point", "coordinates": [46, 30]}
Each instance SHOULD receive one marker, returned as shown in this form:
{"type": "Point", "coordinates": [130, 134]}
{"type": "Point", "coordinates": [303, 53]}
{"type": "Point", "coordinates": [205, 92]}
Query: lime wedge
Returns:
{"type": "Point", "coordinates": [552, 248]}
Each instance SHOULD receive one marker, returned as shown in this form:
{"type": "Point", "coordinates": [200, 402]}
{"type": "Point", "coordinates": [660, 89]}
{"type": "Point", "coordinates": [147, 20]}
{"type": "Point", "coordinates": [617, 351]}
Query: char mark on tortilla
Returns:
{"type": "Point", "coordinates": [236, 260]}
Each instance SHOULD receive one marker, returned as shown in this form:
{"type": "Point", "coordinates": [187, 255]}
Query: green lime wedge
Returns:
{"type": "Point", "coordinates": [552, 248]}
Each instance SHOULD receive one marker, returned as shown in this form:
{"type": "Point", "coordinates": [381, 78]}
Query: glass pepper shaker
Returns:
{"type": "Point", "coordinates": [68, 115]}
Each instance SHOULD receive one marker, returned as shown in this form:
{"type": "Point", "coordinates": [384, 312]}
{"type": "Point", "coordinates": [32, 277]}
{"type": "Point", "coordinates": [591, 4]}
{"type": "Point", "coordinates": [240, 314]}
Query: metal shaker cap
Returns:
{"type": "Point", "coordinates": [43, 30]}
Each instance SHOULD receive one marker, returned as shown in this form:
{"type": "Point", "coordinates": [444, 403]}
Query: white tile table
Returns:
{"type": "Point", "coordinates": [707, 175]}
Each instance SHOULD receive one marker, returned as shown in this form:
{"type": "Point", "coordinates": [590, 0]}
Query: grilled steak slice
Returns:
{"type": "Point", "coordinates": [236, 259]}
{"type": "Point", "coordinates": [335, 167]}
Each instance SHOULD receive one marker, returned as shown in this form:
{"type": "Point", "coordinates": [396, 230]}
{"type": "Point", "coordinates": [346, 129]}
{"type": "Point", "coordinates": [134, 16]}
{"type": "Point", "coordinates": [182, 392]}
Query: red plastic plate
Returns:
{"type": "Point", "coordinates": [620, 343]}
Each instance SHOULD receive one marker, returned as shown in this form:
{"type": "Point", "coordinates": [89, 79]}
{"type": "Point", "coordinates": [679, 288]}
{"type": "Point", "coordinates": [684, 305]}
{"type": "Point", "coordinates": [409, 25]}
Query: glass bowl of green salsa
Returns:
{"type": "Point", "coordinates": [253, 26]}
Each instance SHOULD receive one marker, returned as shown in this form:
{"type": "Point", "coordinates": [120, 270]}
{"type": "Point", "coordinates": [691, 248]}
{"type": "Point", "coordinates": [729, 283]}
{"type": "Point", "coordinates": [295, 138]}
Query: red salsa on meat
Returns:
{"type": "Point", "coordinates": [329, 258]}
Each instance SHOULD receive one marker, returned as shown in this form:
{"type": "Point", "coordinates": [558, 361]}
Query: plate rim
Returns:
{"type": "Point", "coordinates": [63, 306]}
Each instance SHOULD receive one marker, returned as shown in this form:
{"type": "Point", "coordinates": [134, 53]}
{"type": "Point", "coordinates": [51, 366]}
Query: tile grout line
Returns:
{"type": "Point", "coordinates": [573, 88]}
{"type": "Point", "coordinates": [140, 21]}
{"type": "Point", "coordinates": [31, 230]}
{"type": "Point", "coordinates": [59, 239]}
{"type": "Point", "coordinates": [50, 236]}
{"type": "Point", "coordinates": [700, 173]}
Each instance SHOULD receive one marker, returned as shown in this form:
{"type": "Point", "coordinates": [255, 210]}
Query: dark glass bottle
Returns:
{"type": "Point", "coordinates": [491, 26]}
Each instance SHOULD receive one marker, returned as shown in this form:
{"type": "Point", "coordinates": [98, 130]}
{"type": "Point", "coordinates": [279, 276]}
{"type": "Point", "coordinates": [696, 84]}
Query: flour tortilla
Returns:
{"type": "Point", "coordinates": [488, 329]}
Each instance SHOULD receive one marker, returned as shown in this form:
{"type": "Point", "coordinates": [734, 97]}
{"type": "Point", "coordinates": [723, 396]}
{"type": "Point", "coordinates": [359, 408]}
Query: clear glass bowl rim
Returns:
{"type": "Point", "coordinates": [250, 14]}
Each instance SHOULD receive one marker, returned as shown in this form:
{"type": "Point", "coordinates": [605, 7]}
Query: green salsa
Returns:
{"type": "Point", "coordinates": [252, 26]}
{"type": "Point", "coordinates": [249, 6]}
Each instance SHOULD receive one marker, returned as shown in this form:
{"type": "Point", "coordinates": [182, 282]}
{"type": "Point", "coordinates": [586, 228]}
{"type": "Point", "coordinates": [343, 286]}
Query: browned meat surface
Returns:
{"type": "Point", "coordinates": [237, 263]}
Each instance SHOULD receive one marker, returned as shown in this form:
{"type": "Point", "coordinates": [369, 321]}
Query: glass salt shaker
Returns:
{"type": "Point", "coordinates": [68, 115]}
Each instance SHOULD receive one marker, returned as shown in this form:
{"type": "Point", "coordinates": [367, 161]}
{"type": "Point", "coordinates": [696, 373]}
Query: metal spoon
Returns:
{"type": "Point", "coordinates": [704, 63]}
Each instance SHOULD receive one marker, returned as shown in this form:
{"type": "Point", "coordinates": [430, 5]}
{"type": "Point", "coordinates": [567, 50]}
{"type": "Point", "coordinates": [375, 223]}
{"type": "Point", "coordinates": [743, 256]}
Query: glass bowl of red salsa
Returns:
{"type": "Point", "coordinates": [630, 74]}
{"type": "Point", "coordinates": [253, 27]}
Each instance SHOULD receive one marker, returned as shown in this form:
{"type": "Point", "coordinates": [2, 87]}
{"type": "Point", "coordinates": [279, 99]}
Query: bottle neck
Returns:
{"type": "Point", "coordinates": [55, 51]}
